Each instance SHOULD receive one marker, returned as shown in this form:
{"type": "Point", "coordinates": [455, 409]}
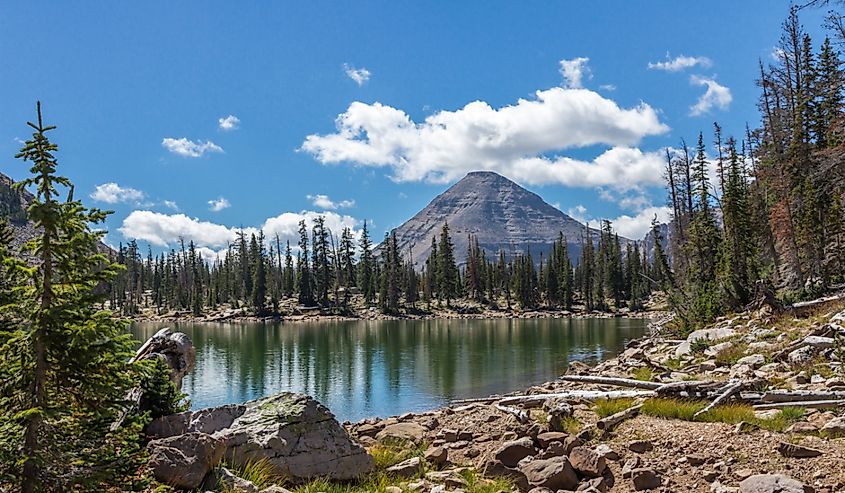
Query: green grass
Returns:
{"type": "Point", "coordinates": [608, 407]}
{"type": "Point", "coordinates": [260, 472]}
{"type": "Point", "coordinates": [571, 425]}
{"type": "Point", "coordinates": [644, 373]}
{"type": "Point", "coordinates": [478, 484]}
{"type": "Point", "coordinates": [731, 413]}
{"type": "Point", "coordinates": [393, 452]}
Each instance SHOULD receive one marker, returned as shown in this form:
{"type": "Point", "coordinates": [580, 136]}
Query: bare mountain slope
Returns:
{"type": "Point", "coordinates": [500, 213]}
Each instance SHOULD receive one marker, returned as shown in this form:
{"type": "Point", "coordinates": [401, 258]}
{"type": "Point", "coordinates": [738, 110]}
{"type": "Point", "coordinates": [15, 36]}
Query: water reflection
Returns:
{"type": "Point", "coordinates": [382, 368]}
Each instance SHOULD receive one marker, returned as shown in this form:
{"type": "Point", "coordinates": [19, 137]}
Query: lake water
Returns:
{"type": "Point", "coordinates": [361, 369]}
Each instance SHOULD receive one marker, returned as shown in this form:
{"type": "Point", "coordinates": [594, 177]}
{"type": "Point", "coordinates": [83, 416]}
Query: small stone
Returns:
{"type": "Point", "coordinates": [570, 443]}
{"type": "Point", "coordinates": [710, 476]}
{"type": "Point", "coordinates": [587, 461]}
{"type": "Point", "coordinates": [275, 489]}
{"type": "Point", "coordinates": [436, 455]}
{"type": "Point", "coordinates": [594, 485]}
{"type": "Point", "coordinates": [802, 427]}
{"type": "Point", "coordinates": [230, 482]}
{"type": "Point", "coordinates": [754, 361]}
{"type": "Point", "coordinates": [645, 479]}
{"type": "Point", "coordinates": [510, 453]}
{"type": "Point", "coordinates": [466, 435]}
{"type": "Point", "coordinates": [508, 436]}
{"type": "Point", "coordinates": [834, 427]}
{"type": "Point", "coordinates": [555, 473]}
{"type": "Point", "coordinates": [742, 474]}
{"type": "Point", "coordinates": [449, 435]}
{"type": "Point", "coordinates": [608, 453]}
{"type": "Point", "coordinates": [406, 469]}
{"type": "Point", "coordinates": [797, 451]}
{"type": "Point", "coordinates": [630, 464]}
{"type": "Point", "coordinates": [696, 460]}
{"type": "Point", "coordinates": [393, 489]}
{"type": "Point", "coordinates": [544, 439]}
{"type": "Point", "coordinates": [402, 431]}
{"type": "Point", "coordinates": [472, 452]}
{"type": "Point", "coordinates": [640, 446]}
{"type": "Point", "coordinates": [767, 414]}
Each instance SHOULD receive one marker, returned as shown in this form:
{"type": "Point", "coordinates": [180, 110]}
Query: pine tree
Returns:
{"type": "Point", "coordinates": [447, 271]}
{"type": "Point", "coordinates": [304, 282]}
{"type": "Point", "coordinates": [366, 276]}
{"type": "Point", "coordinates": [64, 363]}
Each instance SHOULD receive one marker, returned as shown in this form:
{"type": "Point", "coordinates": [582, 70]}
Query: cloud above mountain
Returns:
{"type": "Point", "coordinates": [519, 140]}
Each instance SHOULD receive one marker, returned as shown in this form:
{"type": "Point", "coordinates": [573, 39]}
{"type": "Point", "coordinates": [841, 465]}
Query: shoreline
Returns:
{"type": "Point", "coordinates": [374, 315]}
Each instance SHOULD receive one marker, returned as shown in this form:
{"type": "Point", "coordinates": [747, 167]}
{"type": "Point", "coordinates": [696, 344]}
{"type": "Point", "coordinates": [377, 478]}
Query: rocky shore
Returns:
{"type": "Point", "coordinates": [574, 434]}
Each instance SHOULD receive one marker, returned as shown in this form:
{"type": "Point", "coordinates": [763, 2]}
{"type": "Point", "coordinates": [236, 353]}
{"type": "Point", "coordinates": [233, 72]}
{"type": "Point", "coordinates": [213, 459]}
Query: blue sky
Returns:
{"type": "Point", "coordinates": [367, 110]}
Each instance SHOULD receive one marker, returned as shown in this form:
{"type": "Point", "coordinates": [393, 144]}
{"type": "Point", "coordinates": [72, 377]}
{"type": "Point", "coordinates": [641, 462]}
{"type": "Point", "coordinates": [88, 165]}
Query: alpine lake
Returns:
{"type": "Point", "coordinates": [362, 369]}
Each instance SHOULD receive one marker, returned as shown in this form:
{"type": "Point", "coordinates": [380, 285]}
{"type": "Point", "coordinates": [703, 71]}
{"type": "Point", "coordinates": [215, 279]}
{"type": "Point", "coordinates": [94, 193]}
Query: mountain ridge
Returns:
{"type": "Point", "coordinates": [500, 213]}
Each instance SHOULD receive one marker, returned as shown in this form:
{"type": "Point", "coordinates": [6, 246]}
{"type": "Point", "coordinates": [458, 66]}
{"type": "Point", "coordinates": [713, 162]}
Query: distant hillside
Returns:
{"type": "Point", "coordinates": [13, 205]}
{"type": "Point", "coordinates": [500, 213]}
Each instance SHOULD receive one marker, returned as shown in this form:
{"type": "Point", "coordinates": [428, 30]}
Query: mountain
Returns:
{"type": "Point", "coordinates": [497, 211]}
{"type": "Point", "coordinates": [13, 205]}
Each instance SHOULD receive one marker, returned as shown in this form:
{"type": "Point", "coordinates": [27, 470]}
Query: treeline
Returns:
{"type": "Point", "coordinates": [774, 215]}
{"type": "Point", "coordinates": [262, 274]}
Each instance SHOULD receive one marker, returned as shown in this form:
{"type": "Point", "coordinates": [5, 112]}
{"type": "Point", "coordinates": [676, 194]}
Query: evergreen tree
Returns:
{"type": "Point", "coordinates": [447, 271]}
{"type": "Point", "coordinates": [63, 362]}
{"type": "Point", "coordinates": [366, 276]}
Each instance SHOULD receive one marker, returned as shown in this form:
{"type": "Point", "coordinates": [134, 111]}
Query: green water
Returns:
{"type": "Point", "coordinates": [383, 368]}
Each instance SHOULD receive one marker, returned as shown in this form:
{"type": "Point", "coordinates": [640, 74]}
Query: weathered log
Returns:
{"type": "Point", "coordinates": [519, 414]}
{"type": "Point", "coordinates": [589, 395]}
{"type": "Point", "coordinates": [729, 391]}
{"type": "Point", "coordinates": [680, 387]}
{"type": "Point", "coordinates": [611, 421]}
{"type": "Point", "coordinates": [810, 404]}
{"type": "Point", "coordinates": [615, 381]}
{"type": "Point", "coordinates": [801, 395]}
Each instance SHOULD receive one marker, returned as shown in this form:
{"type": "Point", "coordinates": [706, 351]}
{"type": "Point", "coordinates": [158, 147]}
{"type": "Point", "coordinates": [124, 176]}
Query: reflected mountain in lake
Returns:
{"type": "Point", "coordinates": [381, 368]}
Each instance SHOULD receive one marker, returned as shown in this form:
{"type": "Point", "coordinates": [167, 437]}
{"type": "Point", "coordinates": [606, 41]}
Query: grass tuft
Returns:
{"type": "Point", "coordinates": [608, 407]}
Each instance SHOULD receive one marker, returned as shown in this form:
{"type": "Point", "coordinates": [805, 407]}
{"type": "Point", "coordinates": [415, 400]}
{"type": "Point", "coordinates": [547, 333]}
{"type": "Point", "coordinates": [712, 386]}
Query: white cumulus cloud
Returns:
{"type": "Point", "coordinates": [188, 148]}
{"type": "Point", "coordinates": [681, 62]}
{"type": "Point", "coordinates": [575, 71]}
{"type": "Point", "coordinates": [165, 230]}
{"type": "Point", "coordinates": [230, 122]}
{"type": "Point", "coordinates": [218, 204]}
{"type": "Point", "coordinates": [324, 202]}
{"type": "Point", "coordinates": [112, 193]}
{"type": "Point", "coordinates": [516, 141]}
{"type": "Point", "coordinates": [635, 227]}
{"type": "Point", "coordinates": [716, 96]}
{"type": "Point", "coordinates": [359, 75]}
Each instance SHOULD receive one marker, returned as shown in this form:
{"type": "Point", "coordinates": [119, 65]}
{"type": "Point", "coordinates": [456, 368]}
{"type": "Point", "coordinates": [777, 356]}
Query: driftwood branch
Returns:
{"type": "Point", "coordinates": [519, 414]}
{"type": "Point", "coordinates": [729, 391]}
{"type": "Point", "coordinates": [801, 395]}
{"type": "Point", "coordinates": [615, 381]}
{"type": "Point", "coordinates": [611, 421]}
{"type": "Point", "coordinates": [810, 404]}
{"type": "Point", "coordinates": [589, 395]}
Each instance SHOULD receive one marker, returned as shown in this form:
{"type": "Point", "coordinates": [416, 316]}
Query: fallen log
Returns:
{"type": "Point", "coordinates": [589, 395]}
{"type": "Point", "coordinates": [801, 395]}
{"type": "Point", "coordinates": [613, 420]}
{"type": "Point", "coordinates": [810, 404]}
{"type": "Point", "coordinates": [615, 381]}
{"type": "Point", "coordinates": [729, 391]}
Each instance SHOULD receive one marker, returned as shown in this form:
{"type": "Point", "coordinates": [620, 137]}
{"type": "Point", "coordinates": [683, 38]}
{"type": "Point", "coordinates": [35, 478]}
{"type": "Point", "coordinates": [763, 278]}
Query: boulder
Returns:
{"type": "Point", "coordinates": [510, 453]}
{"type": "Point", "coordinates": [411, 432]}
{"type": "Point", "coordinates": [607, 452]}
{"type": "Point", "coordinates": [183, 461]}
{"type": "Point", "coordinates": [555, 474]}
{"type": "Point", "coordinates": [801, 356]}
{"type": "Point", "coordinates": [645, 479]}
{"type": "Point", "coordinates": [210, 420]}
{"type": "Point", "coordinates": [587, 462]}
{"type": "Point", "coordinates": [705, 334]}
{"type": "Point", "coordinates": [819, 342]}
{"type": "Point", "coordinates": [299, 437]}
{"type": "Point", "coordinates": [772, 483]}
{"type": "Point", "coordinates": [495, 468]}
{"type": "Point", "coordinates": [754, 361]}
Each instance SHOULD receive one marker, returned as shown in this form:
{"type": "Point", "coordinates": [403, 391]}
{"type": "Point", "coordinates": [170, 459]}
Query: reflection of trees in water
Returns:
{"type": "Point", "coordinates": [378, 364]}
